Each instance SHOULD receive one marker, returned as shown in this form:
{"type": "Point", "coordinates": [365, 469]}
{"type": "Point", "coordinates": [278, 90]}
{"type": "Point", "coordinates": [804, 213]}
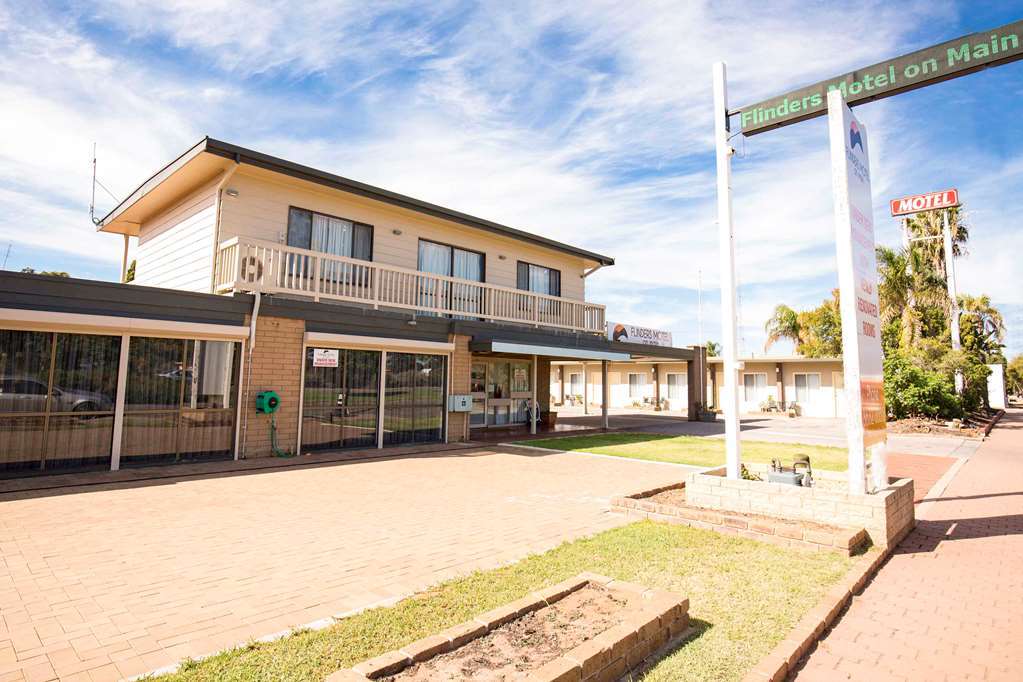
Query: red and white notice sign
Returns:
{"type": "Point", "coordinates": [919, 203]}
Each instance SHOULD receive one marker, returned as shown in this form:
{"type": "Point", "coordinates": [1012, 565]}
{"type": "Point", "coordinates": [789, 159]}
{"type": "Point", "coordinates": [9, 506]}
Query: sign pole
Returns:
{"type": "Point", "coordinates": [726, 236]}
{"type": "Point", "coordinates": [953, 297]}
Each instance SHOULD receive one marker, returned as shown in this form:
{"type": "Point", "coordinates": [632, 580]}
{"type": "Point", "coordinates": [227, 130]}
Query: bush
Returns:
{"type": "Point", "coordinates": [913, 392]}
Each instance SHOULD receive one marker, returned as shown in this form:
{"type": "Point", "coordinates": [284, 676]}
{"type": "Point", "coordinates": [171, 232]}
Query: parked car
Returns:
{"type": "Point", "coordinates": [28, 394]}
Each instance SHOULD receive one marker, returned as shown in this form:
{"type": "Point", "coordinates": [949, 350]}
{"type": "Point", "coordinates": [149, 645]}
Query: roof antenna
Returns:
{"type": "Point", "coordinates": [92, 201]}
{"type": "Point", "coordinates": [7, 255]}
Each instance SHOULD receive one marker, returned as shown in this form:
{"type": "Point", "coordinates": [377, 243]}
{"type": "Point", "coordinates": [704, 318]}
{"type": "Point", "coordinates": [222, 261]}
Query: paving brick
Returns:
{"type": "Point", "coordinates": [945, 592]}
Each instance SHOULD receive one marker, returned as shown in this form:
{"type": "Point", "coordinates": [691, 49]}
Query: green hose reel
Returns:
{"type": "Point", "coordinates": [267, 402]}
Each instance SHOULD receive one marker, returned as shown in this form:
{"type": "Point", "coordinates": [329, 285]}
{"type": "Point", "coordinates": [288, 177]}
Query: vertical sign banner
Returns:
{"type": "Point", "coordinates": [857, 281]}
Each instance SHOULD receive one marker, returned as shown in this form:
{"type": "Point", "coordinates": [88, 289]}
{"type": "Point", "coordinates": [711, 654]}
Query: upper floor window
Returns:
{"type": "Point", "coordinates": [538, 279]}
{"type": "Point", "coordinates": [336, 236]}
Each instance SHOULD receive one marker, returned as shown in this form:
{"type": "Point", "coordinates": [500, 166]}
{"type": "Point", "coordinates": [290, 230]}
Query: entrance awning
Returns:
{"type": "Point", "coordinates": [513, 348]}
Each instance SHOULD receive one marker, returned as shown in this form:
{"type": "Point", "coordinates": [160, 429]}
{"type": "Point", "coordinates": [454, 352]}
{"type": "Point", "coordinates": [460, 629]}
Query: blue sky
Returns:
{"type": "Point", "coordinates": [590, 124]}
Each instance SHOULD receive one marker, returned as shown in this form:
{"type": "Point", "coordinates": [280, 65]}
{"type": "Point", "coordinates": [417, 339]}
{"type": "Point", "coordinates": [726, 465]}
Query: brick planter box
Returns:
{"type": "Point", "coordinates": [778, 531]}
{"type": "Point", "coordinates": [887, 516]}
{"type": "Point", "coordinates": [651, 619]}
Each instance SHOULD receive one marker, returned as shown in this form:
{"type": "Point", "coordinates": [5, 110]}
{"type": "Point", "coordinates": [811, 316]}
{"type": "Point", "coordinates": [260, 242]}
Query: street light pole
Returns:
{"type": "Point", "coordinates": [953, 296]}
{"type": "Point", "coordinates": [726, 237]}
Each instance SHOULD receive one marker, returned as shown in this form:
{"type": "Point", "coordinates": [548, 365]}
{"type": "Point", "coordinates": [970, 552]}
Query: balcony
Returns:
{"type": "Point", "coordinates": [245, 264]}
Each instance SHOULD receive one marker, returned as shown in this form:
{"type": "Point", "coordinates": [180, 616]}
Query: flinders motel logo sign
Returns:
{"type": "Point", "coordinates": [914, 70]}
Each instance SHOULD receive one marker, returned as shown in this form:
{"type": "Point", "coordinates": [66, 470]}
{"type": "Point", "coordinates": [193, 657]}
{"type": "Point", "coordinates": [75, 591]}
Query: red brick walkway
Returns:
{"type": "Point", "coordinates": [948, 605]}
{"type": "Point", "coordinates": [925, 470]}
{"type": "Point", "coordinates": [114, 580]}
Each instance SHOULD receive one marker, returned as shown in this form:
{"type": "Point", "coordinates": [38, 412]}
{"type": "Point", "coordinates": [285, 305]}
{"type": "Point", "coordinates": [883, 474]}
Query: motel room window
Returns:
{"type": "Point", "coordinates": [807, 386]}
{"type": "Point", "coordinates": [635, 385]}
{"type": "Point", "coordinates": [538, 279]}
{"type": "Point", "coordinates": [676, 386]}
{"type": "Point", "coordinates": [575, 383]}
{"type": "Point", "coordinates": [328, 234]}
{"type": "Point", "coordinates": [754, 386]}
{"type": "Point", "coordinates": [451, 261]}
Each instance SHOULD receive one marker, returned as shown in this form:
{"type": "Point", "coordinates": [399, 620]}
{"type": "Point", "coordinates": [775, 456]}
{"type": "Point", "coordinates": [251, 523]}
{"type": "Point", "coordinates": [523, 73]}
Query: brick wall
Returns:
{"type": "Point", "coordinates": [461, 362]}
{"type": "Point", "coordinates": [276, 365]}
{"type": "Point", "coordinates": [887, 516]}
{"type": "Point", "coordinates": [543, 383]}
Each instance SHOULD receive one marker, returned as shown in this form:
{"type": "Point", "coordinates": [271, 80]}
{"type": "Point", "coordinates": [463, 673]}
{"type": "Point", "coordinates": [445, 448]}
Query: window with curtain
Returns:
{"type": "Point", "coordinates": [337, 236]}
{"type": "Point", "coordinates": [57, 394]}
{"type": "Point", "coordinates": [754, 386]}
{"type": "Point", "coordinates": [575, 382]}
{"type": "Point", "coordinates": [538, 279]}
{"type": "Point", "coordinates": [451, 261]}
{"type": "Point", "coordinates": [676, 386]}
{"type": "Point", "coordinates": [807, 386]}
{"type": "Point", "coordinates": [635, 385]}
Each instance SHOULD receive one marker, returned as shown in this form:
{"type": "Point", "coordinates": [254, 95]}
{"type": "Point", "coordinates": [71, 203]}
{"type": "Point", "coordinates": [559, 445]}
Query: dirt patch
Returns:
{"type": "Point", "coordinates": [932, 427]}
{"type": "Point", "coordinates": [513, 650]}
{"type": "Point", "coordinates": [676, 497]}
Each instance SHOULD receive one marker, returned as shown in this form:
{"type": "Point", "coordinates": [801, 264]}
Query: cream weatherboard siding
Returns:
{"type": "Point", "coordinates": [261, 211]}
{"type": "Point", "coordinates": [175, 248]}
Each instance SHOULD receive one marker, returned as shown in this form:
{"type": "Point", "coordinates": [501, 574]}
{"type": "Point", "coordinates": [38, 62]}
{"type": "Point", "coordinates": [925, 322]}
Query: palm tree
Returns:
{"type": "Point", "coordinates": [908, 287]}
{"type": "Point", "coordinates": [713, 349]}
{"type": "Point", "coordinates": [931, 224]}
{"type": "Point", "coordinates": [982, 326]}
{"type": "Point", "coordinates": [783, 324]}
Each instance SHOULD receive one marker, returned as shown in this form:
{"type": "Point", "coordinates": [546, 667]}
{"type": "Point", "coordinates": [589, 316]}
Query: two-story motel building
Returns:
{"type": "Point", "coordinates": [365, 310]}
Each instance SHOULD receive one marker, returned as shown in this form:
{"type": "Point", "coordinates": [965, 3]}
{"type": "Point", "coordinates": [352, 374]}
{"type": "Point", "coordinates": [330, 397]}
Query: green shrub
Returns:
{"type": "Point", "coordinates": [913, 392]}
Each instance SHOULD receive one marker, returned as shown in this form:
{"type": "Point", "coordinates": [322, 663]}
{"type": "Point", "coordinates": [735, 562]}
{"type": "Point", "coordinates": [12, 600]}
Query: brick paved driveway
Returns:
{"type": "Point", "coordinates": [948, 605]}
{"type": "Point", "coordinates": [119, 580]}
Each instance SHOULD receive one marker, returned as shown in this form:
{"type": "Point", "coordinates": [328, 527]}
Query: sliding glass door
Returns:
{"type": "Point", "coordinates": [414, 402]}
{"type": "Point", "coordinates": [341, 399]}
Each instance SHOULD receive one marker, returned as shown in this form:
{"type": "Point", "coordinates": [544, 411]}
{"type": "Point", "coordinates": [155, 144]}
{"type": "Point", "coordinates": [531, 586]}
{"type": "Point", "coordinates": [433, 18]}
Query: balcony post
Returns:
{"type": "Point", "coordinates": [316, 279]}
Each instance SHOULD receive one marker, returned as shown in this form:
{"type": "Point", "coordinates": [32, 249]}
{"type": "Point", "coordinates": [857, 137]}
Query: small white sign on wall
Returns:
{"type": "Point", "coordinates": [325, 357]}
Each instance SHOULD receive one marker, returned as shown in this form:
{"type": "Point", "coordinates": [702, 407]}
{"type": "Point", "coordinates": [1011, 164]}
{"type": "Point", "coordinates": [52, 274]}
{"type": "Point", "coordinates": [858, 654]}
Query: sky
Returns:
{"type": "Point", "coordinates": [590, 123]}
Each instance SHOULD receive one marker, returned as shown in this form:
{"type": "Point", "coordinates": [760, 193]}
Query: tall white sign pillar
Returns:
{"type": "Point", "coordinates": [726, 236]}
{"type": "Point", "coordinates": [857, 282]}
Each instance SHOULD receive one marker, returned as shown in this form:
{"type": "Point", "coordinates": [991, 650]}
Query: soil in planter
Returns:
{"type": "Point", "coordinates": [932, 427]}
{"type": "Point", "coordinates": [676, 497]}
{"type": "Point", "coordinates": [511, 651]}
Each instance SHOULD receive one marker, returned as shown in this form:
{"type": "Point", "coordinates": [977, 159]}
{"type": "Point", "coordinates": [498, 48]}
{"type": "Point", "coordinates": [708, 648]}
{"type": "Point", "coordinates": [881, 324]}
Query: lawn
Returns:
{"type": "Point", "coordinates": [744, 598]}
{"type": "Point", "coordinates": [693, 450]}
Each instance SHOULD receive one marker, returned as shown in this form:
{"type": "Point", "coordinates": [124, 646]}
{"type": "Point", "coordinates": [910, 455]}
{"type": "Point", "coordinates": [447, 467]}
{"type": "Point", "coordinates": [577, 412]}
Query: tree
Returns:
{"type": "Point", "coordinates": [52, 273]}
{"type": "Point", "coordinates": [783, 324]}
{"type": "Point", "coordinates": [713, 349]}
{"type": "Point", "coordinates": [981, 328]}
{"type": "Point", "coordinates": [821, 329]}
{"type": "Point", "coordinates": [130, 275]}
{"type": "Point", "coordinates": [1014, 375]}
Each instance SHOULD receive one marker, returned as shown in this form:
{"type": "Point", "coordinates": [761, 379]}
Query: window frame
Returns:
{"type": "Point", "coordinates": [755, 398]}
{"type": "Point", "coordinates": [639, 384]}
{"type": "Point", "coordinates": [806, 387]}
{"type": "Point", "coordinates": [482, 254]}
{"type": "Point", "coordinates": [679, 384]}
{"type": "Point", "coordinates": [537, 265]}
{"type": "Point", "coordinates": [372, 231]}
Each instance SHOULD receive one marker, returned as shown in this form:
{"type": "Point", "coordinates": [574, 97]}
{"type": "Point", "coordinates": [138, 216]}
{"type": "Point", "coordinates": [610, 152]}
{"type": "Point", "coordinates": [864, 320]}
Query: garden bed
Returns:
{"type": "Point", "coordinates": [932, 427]}
{"type": "Point", "coordinates": [589, 627]}
{"type": "Point", "coordinates": [669, 504]}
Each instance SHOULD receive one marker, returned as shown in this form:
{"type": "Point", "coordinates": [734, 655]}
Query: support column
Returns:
{"type": "Point", "coordinates": [657, 387]}
{"type": "Point", "coordinates": [953, 295]}
{"type": "Point", "coordinates": [604, 391]}
{"type": "Point", "coordinates": [380, 399]}
{"type": "Point", "coordinates": [536, 408]}
{"type": "Point", "coordinates": [779, 382]}
{"type": "Point", "coordinates": [586, 390]}
{"type": "Point", "coordinates": [726, 237]}
{"type": "Point", "coordinates": [119, 395]}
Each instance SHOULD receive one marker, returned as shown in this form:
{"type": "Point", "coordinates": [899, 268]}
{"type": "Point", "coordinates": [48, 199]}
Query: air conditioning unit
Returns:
{"type": "Point", "coordinates": [251, 269]}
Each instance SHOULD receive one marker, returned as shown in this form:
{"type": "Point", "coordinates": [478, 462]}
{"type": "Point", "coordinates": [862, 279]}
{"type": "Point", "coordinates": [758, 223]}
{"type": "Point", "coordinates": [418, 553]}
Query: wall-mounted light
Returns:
{"type": "Point", "coordinates": [231, 192]}
{"type": "Point", "coordinates": [502, 257]}
{"type": "Point", "coordinates": [396, 232]}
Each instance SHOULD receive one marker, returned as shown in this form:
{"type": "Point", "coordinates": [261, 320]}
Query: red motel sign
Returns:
{"type": "Point", "coordinates": [925, 202]}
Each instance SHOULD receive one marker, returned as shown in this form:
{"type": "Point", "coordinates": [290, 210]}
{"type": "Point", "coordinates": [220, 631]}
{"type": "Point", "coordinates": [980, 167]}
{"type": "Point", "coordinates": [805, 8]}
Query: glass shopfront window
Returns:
{"type": "Point", "coordinates": [57, 395]}
{"type": "Point", "coordinates": [414, 403]}
{"type": "Point", "coordinates": [341, 399]}
{"type": "Point", "coordinates": [179, 401]}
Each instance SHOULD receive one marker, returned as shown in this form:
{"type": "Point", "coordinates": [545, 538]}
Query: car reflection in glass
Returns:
{"type": "Point", "coordinates": [26, 394]}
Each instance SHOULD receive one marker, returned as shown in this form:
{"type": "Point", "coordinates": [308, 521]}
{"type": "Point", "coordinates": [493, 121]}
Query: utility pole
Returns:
{"type": "Point", "coordinates": [726, 237]}
{"type": "Point", "coordinates": [953, 296]}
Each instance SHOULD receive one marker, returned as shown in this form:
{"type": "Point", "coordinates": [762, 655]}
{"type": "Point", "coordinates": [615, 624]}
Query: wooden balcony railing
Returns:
{"type": "Point", "coordinates": [245, 264]}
